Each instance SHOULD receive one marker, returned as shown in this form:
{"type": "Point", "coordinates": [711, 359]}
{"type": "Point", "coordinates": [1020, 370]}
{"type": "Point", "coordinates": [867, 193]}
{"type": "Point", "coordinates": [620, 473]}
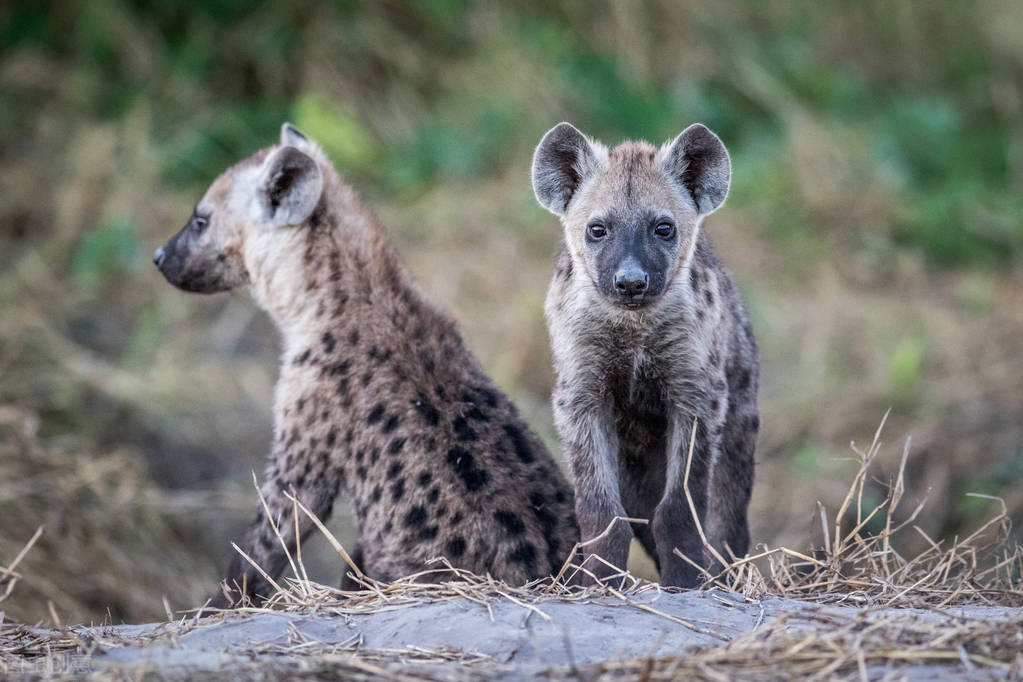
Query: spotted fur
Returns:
{"type": "Point", "coordinates": [379, 399]}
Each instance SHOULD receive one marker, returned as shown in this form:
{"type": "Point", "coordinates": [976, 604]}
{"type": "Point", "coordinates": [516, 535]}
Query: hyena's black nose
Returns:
{"type": "Point", "coordinates": [158, 256]}
{"type": "Point", "coordinates": [631, 281]}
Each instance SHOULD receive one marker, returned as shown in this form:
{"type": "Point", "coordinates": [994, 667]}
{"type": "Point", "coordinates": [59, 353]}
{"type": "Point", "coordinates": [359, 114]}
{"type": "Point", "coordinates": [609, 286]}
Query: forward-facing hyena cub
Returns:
{"type": "Point", "coordinates": [648, 332]}
{"type": "Point", "coordinates": [379, 398]}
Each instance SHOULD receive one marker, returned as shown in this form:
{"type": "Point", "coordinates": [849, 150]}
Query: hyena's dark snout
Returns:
{"type": "Point", "coordinates": [631, 280]}
{"type": "Point", "coordinates": [631, 283]}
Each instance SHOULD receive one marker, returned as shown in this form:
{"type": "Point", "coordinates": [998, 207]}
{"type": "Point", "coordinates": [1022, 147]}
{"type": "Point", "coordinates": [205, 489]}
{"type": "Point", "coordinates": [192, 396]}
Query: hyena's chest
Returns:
{"type": "Point", "coordinates": [637, 386]}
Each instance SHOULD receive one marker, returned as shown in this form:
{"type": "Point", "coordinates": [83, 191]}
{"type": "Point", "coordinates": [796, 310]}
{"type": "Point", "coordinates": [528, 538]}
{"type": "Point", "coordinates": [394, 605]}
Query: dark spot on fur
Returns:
{"type": "Point", "coordinates": [331, 437]}
{"type": "Point", "coordinates": [353, 337]}
{"type": "Point", "coordinates": [428, 533]}
{"type": "Point", "coordinates": [393, 471]}
{"type": "Point", "coordinates": [455, 547]}
{"type": "Point", "coordinates": [694, 280]}
{"type": "Point", "coordinates": [524, 553]}
{"type": "Point", "coordinates": [376, 494]}
{"type": "Point", "coordinates": [434, 495]}
{"type": "Point", "coordinates": [396, 446]}
{"type": "Point", "coordinates": [338, 369]}
{"type": "Point", "coordinates": [439, 390]}
{"type": "Point", "coordinates": [511, 522]}
{"type": "Point", "coordinates": [708, 295]}
{"type": "Point", "coordinates": [328, 342]}
{"type": "Point", "coordinates": [361, 473]}
{"type": "Point", "coordinates": [463, 431]}
{"type": "Point", "coordinates": [392, 423]}
{"type": "Point", "coordinates": [488, 395]}
{"type": "Point", "coordinates": [427, 411]}
{"type": "Point", "coordinates": [342, 387]}
{"type": "Point", "coordinates": [304, 357]}
{"type": "Point", "coordinates": [398, 489]}
{"type": "Point", "coordinates": [519, 443]}
{"type": "Point", "coordinates": [461, 460]}
{"type": "Point", "coordinates": [456, 519]}
{"type": "Point", "coordinates": [416, 516]}
{"type": "Point", "coordinates": [700, 314]}
{"type": "Point", "coordinates": [376, 414]}
{"type": "Point", "coordinates": [424, 478]}
{"type": "Point", "coordinates": [744, 380]}
{"type": "Point", "coordinates": [367, 376]}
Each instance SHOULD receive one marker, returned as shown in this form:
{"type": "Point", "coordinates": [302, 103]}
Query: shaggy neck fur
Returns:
{"type": "Point", "coordinates": [337, 270]}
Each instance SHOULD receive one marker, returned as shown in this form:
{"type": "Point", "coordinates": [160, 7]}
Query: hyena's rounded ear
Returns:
{"type": "Point", "coordinates": [562, 161]}
{"type": "Point", "coordinates": [291, 135]}
{"type": "Point", "coordinates": [697, 158]}
{"type": "Point", "coordinates": [291, 187]}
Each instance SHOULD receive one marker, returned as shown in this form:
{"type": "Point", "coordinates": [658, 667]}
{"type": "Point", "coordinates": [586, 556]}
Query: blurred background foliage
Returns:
{"type": "Point", "coordinates": [875, 226]}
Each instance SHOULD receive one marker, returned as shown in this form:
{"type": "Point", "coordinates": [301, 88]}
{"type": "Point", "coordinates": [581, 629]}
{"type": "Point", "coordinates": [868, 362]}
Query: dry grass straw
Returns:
{"type": "Point", "coordinates": [870, 645]}
{"type": "Point", "coordinates": [861, 566]}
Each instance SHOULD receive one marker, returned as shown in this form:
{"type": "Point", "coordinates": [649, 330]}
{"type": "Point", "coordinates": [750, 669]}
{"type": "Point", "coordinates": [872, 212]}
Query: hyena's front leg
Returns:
{"type": "Point", "coordinates": [591, 447]}
{"type": "Point", "coordinates": [673, 524]}
{"type": "Point", "coordinates": [316, 490]}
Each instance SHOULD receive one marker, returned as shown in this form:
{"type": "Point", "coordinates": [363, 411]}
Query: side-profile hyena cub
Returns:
{"type": "Point", "coordinates": [379, 398]}
{"type": "Point", "coordinates": [648, 333]}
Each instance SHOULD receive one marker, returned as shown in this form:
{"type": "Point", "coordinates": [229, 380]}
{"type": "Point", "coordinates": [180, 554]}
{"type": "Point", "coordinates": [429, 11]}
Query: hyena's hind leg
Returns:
{"type": "Point", "coordinates": [727, 524]}
{"type": "Point", "coordinates": [264, 545]}
{"type": "Point", "coordinates": [731, 484]}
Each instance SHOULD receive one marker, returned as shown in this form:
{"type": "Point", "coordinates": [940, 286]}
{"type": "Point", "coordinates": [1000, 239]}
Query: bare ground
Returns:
{"type": "Point", "coordinates": [646, 633]}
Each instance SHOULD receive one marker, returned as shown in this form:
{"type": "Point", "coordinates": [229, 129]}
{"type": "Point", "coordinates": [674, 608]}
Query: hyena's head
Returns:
{"type": "Point", "coordinates": [631, 214]}
{"type": "Point", "coordinates": [244, 216]}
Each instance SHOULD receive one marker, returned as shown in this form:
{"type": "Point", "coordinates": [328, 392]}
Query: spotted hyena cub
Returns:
{"type": "Point", "coordinates": [649, 333]}
{"type": "Point", "coordinates": [379, 399]}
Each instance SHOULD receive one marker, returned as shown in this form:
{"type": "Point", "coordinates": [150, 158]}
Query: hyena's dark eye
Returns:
{"type": "Point", "coordinates": [596, 231]}
{"type": "Point", "coordinates": [199, 223]}
{"type": "Point", "coordinates": [665, 230]}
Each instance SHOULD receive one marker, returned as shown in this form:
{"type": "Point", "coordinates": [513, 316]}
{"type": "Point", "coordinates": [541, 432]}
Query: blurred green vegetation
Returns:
{"type": "Point", "coordinates": [924, 94]}
{"type": "Point", "coordinates": [875, 222]}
